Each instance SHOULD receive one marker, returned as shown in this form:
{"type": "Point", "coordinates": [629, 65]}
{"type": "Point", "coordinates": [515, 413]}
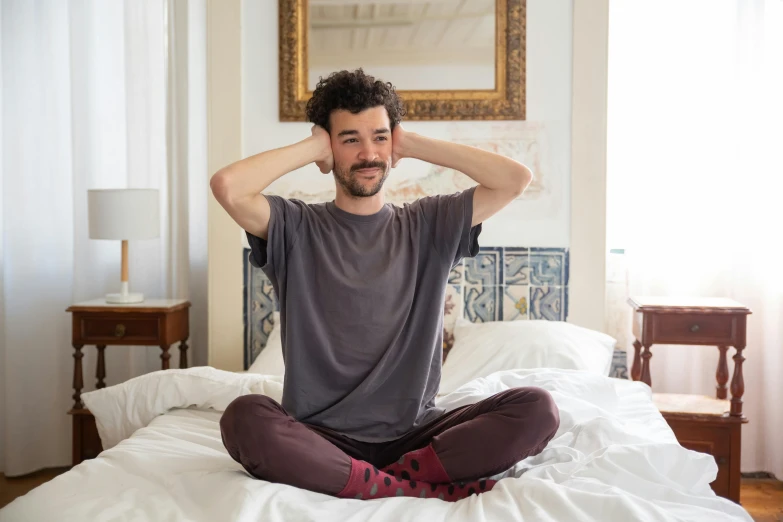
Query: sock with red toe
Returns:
{"type": "Point", "coordinates": [367, 482]}
{"type": "Point", "coordinates": [421, 464]}
{"type": "Point", "coordinates": [424, 464]}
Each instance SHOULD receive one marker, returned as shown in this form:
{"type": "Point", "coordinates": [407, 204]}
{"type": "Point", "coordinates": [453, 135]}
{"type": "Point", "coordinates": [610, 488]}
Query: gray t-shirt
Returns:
{"type": "Point", "coordinates": [361, 308]}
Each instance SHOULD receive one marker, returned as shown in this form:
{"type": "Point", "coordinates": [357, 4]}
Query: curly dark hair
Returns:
{"type": "Point", "coordinates": [353, 91]}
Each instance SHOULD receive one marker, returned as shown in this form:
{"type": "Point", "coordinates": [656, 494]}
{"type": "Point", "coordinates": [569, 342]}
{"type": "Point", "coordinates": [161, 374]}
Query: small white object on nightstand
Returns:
{"type": "Point", "coordinates": [124, 214]}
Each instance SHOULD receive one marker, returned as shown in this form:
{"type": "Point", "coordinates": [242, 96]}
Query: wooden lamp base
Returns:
{"type": "Point", "coordinates": [125, 297]}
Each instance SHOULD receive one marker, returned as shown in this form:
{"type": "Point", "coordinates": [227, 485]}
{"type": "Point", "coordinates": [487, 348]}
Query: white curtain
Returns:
{"type": "Point", "coordinates": [95, 94]}
{"type": "Point", "coordinates": [695, 178]}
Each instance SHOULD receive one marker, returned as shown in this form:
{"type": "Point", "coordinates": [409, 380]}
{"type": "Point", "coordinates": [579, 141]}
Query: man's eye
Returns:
{"type": "Point", "coordinates": [382, 138]}
{"type": "Point", "coordinates": [350, 140]}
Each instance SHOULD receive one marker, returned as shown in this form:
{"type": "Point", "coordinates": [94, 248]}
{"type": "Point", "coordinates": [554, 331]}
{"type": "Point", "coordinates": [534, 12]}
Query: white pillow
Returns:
{"type": "Point", "coordinates": [481, 349]}
{"type": "Point", "coordinates": [270, 360]}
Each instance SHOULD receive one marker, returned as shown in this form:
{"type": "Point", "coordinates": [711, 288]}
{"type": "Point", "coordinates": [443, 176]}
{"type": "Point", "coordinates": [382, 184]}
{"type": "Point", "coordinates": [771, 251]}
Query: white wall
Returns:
{"type": "Point", "coordinates": [542, 219]}
{"type": "Point", "coordinates": [587, 289]}
{"type": "Point", "coordinates": [224, 272]}
{"type": "Point", "coordinates": [555, 215]}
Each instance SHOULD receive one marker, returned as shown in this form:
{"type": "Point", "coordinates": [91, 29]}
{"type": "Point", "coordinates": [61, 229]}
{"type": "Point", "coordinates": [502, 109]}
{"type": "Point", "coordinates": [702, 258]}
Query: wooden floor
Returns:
{"type": "Point", "coordinates": [763, 498]}
{"type": "Point", "coordinates": [10, 488]}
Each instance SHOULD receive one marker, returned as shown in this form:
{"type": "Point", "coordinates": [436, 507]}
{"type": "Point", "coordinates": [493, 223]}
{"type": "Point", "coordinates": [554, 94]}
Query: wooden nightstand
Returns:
{"type": "Point", "coordinates": [154, 322]}
{"type": "Point", "coordinates": [700, 423]}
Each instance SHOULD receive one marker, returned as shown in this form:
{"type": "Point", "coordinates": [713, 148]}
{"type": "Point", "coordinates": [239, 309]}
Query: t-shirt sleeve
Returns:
{"type": "Point", "coordinates": [449, 218]}
{"type": "Point", "coordinates": [285, 218]}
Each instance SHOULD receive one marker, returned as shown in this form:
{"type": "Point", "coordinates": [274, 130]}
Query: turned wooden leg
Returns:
{"type": "Point", "coordinates": [737, 383]}
{"type": "Point", "coordinates": [164, 357]}
{"type": "Point", "coordinates": [646, 354]}
{"type": "Point", "coordinates": [77, 377]}
{"type": "Point", "coordinates": [100, 371]}
{"type": "Point", "coordinates": [636, 367]}
{"type": "Point", "coordinates": [722, 373]}
{"type": "Point", "coordinates": [183, 354]}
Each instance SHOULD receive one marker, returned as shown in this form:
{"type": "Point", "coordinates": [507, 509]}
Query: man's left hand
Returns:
{"type": "Point", "coordinates": [399, 140]}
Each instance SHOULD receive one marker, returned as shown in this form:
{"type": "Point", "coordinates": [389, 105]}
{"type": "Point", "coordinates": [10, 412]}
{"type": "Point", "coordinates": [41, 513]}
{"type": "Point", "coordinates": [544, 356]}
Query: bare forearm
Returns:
{"type": "Point", "coordinates": [252, 175]}
{"type": "Point", "coordinates": [491, 170]}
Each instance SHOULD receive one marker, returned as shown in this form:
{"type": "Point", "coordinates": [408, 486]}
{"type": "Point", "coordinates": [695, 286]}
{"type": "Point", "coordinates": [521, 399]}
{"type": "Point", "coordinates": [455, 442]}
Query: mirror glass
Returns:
{"type": "Point", "coordinates": [418, 45]}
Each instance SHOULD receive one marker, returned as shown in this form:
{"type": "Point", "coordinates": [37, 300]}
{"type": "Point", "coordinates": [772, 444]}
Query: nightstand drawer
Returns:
{"type": "Point", "coordinates": [718, 448]}
{"type": "Point", "coordinates": [693, 329]}
{"type": "Point", "coordinates": [720, 438]}
{"type": "Point", "coordinates": [126, 330]}
{"type": "Point", "coordinates": [704, 439]}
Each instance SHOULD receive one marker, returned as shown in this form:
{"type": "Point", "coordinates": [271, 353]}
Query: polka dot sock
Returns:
{"type": "Point", "coordinates": [367, 482]}
{"type": "Point", "coordinates": [421, 464]}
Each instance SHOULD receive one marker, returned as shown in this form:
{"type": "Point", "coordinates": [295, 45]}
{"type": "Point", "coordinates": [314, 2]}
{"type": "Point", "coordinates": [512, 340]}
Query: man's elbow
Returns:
{"type": "Point", "coordinates": [220, 186]}
{"type": "Point", "coordinates": [522, 179]}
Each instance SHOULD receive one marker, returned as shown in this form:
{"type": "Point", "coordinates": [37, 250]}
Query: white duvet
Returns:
{"type": "Point", "coordinates": [613, 458]}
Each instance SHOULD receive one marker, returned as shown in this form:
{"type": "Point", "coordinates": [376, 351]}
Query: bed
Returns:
{"type": "Point", "coordinates": [613, 458]}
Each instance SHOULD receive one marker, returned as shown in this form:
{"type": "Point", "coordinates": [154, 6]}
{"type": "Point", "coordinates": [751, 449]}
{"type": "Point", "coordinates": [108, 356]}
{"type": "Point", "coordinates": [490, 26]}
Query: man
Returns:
{"type": "Point", "coordinates": [361, 285]}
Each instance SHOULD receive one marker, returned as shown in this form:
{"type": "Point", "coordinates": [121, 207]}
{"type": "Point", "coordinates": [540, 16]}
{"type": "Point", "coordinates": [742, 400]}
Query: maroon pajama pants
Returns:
{"type": "Point", "coordinates": [472, 442]}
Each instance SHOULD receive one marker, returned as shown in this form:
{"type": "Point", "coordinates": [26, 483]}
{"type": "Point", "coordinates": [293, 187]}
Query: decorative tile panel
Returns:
{"type": "Point", "coordinates": [515, 302]}
{"type": "Point", "coordinates": [516, 266]}
{"type": "Point", "coordinates": [259, 304]}
{"type": "Point", "coordinates": [483, 303]}
{"type": "Point", "coordinates": [498, 284]}
{"type": "Point", "coordinates": [549, 266]}
{"type": "Point", "coordinates": [619, 365]}
{"type": "Point", "coordinates": [548, 302]}
{"type": "Point", "coordinates": [457, 275]}
{"type": "Point", "coordinates": [486, 268]}
{"type": "Point", "coordinates": [453, 307]}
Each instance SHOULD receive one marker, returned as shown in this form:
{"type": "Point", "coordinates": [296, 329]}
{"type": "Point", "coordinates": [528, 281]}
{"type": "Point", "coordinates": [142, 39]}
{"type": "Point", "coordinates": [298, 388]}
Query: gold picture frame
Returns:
{"type": "Point", "coordinates": [505, 102]}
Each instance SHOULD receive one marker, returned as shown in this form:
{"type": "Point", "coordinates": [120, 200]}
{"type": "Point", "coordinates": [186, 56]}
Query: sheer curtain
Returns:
{"type": "Point", "coordinates": [95, 94]}
{"type": "Point", "coordinates": [695, 180]}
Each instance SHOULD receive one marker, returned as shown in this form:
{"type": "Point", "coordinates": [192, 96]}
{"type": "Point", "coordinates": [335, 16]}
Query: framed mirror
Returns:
{"type": "Point", "coordinates": [448, 59]}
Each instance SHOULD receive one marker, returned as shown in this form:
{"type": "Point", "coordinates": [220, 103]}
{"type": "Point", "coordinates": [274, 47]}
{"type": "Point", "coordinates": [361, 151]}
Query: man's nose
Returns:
{"type": "Point", "coordinates": [368, 152]}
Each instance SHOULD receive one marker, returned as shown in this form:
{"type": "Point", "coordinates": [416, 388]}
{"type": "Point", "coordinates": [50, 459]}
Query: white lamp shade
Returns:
{"type": "Point", "coordinates": [123, 213]}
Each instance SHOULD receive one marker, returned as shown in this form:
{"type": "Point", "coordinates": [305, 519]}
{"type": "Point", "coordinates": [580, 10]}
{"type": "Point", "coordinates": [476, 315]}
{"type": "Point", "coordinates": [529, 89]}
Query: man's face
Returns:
{"type": "Point", "coordinates": [362, 150]}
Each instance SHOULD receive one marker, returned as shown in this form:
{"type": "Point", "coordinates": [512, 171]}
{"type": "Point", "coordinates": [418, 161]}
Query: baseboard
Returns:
{"type": "Point", "coordinates": [758, 475]}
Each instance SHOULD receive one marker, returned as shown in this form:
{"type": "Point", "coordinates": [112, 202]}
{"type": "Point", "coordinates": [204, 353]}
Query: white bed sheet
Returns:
{"type": "Point", "coordinates": [613, 458]}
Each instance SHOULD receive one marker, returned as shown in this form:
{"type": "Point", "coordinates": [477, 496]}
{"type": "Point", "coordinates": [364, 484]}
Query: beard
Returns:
{"type": "Point", "coordinates": [353, 186]}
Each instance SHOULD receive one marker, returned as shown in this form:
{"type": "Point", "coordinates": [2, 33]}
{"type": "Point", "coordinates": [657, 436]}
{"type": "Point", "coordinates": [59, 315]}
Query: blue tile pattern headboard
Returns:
{"type": "Point", "coordinates": [510, 283]}
{"type": "Point", "coordinates": [259, 303]}
{"type": "Point", "coordinates": [498, 284]}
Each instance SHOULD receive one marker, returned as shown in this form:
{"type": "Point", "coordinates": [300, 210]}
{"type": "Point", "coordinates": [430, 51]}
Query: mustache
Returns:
{"type": "Point", "coordinates": [369, 165]}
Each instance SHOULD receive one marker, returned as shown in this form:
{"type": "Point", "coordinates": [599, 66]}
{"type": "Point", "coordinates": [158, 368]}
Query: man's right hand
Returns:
{"type": "Point", "coordinates": [325, 161]}
{"type": "Point", "coordinates": [237, 187]}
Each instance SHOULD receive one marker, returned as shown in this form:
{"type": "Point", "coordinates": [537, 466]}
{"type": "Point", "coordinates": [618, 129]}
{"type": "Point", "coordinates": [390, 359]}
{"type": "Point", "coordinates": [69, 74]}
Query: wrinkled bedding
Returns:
{"type": "Point", "coordinates": [613, 458]}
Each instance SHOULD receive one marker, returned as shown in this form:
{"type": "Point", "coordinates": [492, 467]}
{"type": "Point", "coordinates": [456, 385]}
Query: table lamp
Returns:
{"type": "Point", "coordinates": [123, 214]}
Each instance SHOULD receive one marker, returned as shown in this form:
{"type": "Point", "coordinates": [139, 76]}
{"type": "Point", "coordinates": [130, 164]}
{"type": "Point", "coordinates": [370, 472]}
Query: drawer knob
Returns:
{"type": "Point", "coordinates": [722, 461]}
{"type": "Point", "coordinates": [119, 330]}
{"type": "Point", "coordinates": [695, 328]}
